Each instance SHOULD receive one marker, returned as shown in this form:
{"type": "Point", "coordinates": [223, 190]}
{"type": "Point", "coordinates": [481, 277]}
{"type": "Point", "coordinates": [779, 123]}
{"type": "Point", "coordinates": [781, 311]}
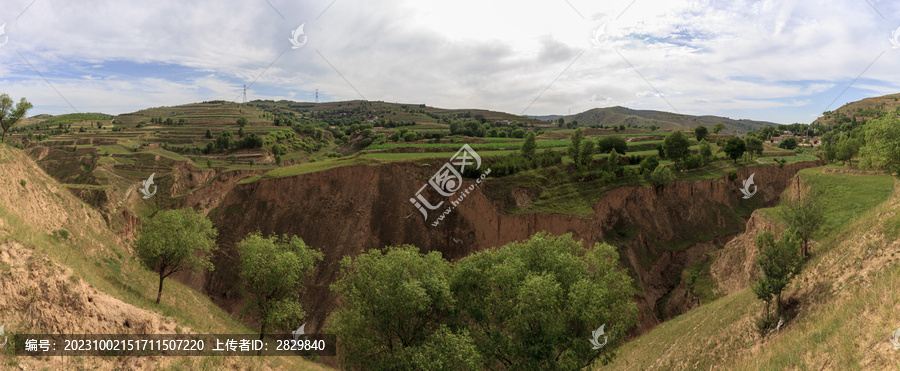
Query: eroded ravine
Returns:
{"type": "Point", "coordinates": [345, 211]}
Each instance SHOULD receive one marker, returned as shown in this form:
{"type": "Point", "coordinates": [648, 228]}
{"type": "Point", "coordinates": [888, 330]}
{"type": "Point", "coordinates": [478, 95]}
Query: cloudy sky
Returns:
{"type": "Point", "coordinates": [782, 61]}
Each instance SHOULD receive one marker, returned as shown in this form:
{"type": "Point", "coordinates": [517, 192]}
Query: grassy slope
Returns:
{"type": "Point", "coordinates": [96, 255]}
{"type": "Point", "coordinates": [848, 294]}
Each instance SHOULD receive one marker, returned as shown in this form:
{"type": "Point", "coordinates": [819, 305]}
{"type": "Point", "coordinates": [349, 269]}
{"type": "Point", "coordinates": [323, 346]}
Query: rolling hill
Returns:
{"type": "Point", "coordinates": [860, 110]}
{"type": "Point", "coordinates": [664, 120]}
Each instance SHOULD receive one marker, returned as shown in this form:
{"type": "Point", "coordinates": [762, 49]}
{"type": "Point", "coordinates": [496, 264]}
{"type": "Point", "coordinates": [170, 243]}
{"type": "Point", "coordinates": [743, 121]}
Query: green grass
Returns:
{"type": "Point", "coordinates": [492, 145]}
{"type": "Point", "coordinates": [846, 196]}
{"type": "Point", "coordinates": [721, 334]}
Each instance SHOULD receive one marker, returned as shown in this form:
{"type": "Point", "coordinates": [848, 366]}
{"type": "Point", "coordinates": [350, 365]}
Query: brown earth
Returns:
{"type": "Point", "coordinates": [40, 295]}
{"type": "Point", "coordinates": [348, 210]}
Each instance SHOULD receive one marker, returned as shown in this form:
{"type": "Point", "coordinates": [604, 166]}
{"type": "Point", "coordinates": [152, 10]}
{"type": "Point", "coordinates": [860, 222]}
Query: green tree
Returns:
{"type": "Point", "coordinates": [882, 149]}
{"type": "Point", "coordinates": [241, 132]}
{"type": "Point", "coordinates": [612, 142]}
{"type": "Point", "coordinates": [175, 240]}
{"type": "Point", "coordinates": [661, 176]}
{"type": "Point", "coordinates": [209, 134]}
{"type": "Point", "coordinates": [754, 145]}
{"type": "Point", "coordinates": [574, 150]}
{"type": "Point", "coordinates": [804, 214]}
{"type": "Point", "coordinates": [676, 146]}
{"type": "Point", "coordinates": [779, 262]}
{"type": "Point", "coordinates": [612, 162]}
{"type": "Point", "coordinates": [701, 132]}
{"type": "Point", "coordinates": [846, 149]}
{"type": "Point", "coordinates": [649, 163]}
{"type": "Point", "coordinates": [735, 148]}
{"type": "Point", "coordinates": [588, 148]}
{"type": "Point", "coordinates": [705, 150]}
{"type": "Point", "coordinates": [224, 141]}
{"type": "Point", "coordinates": [243, 121]}
{"type": "Point", "coordinates": [532, 305]}
{"type": "Point", "coordinates": [9, 116]}
{"type": "Point", "coordinates": [788, 143]}
{"type": "Point", "coordinates": [718, 127]}
{"type": "Point", "coordinates": [529, 146]}
{"type": "Point", "coordinates": [272, 274]}
{"type": "Point", "coordinates": [396, 304]}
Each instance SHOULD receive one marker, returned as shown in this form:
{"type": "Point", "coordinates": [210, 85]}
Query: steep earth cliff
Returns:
{"type": "Point", "coordinates": [348, 210]}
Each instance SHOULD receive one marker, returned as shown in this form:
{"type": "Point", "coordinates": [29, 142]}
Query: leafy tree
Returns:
{"type": "Point", "coordinates": [224, 141]}
{"type": "Point", "coordinates": [279, 149]}
{"type": "Point", "coordinates": [846, 149]}
{"type": "Point", "coordinates": [882, 149]}
{"type": "Point", "coordinates": [735, 148]}
{"type": "Point", "coordinates": [395, 305]}
{"type": "Point", "coordinates": [718, 127]}
{"type": "Point", "coordinates": [676, 146]}
{"type": "Point", "coordinates": [649, 163]}
{"type": "Point", "coordinates": [272, 273]}
{"type": "Point", "coordinates": [754, 145]}
{"type": "Point", "coordinates": [518, 133]}
{"type": "Point", "coordinates": [661, 176]}
{"type": "Point", "coordinates": [612, 163]}
{"type": "Point", "coordinates": [9, 116]}
{"type": "Point", "coordinates": [175, 240]}
{"type": "Point", "coordinates": [804, 214]}
{"type": "Point", "coordinates": [705, 150]}
{"type": "Point", "coordinates": [612, 142]}
{"type": "Point", "coordinates": [241, 132]}
{"type": "Point", "coordinates": [587, 153]}
{"type": "Point", "coordinates": [243, 121]}
{"type": "Point", "coordinates": [532, 305]}
{"type": "Point", "coordinates": [574, 150]}
{"type": "Point", "coordinates": [779, 262]}
{"type": "Point", "coordinates": [701, 132]}
{"type": "Point", "coordinates": [529, 146]}
{"type": "Point", "coordinates": [788, 143]}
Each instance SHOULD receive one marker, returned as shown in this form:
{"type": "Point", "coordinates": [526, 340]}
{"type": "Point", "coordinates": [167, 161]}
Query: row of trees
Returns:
{"type": "Point", "coordinates": [271, 273]}
{"type": "Point", "coordinates": [528, 305]}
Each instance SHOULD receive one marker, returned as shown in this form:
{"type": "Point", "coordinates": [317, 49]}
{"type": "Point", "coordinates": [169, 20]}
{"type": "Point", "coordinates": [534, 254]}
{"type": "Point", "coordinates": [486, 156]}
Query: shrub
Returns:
{"type": "Point", "coordinates": [609, 143]}
{"type": "Point", "coordinates": [649, 163]}
{"type": "Point", "coordinates": [22, 182]}
{"type": "Point", "coordinates": [661, 176]}
{"type": "Point", "coordinates": [693, 161]}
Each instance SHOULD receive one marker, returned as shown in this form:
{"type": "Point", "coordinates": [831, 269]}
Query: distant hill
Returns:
{"type": "Point", "coordinates": [262, 111]}
{"type": "Point", "coordinates": [860, 110]}
{"type": "Point", "coordinates": [664, 120]}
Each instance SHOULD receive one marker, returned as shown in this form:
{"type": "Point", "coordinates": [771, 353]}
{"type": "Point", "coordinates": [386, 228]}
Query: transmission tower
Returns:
{"type": "Point", "coordinates": [245, 93]}
{"type": "Point", "coordinates": [317, 95]}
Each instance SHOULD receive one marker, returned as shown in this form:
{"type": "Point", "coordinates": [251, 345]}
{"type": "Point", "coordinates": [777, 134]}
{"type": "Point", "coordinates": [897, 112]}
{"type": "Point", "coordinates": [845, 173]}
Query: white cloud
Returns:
{"type": "Point", "coordinates": [761, 58]}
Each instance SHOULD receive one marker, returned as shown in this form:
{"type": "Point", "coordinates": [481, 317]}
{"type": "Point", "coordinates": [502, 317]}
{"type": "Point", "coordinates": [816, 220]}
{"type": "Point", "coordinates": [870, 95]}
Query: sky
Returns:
{"type": "Point", "coordinates": [780, 61]}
